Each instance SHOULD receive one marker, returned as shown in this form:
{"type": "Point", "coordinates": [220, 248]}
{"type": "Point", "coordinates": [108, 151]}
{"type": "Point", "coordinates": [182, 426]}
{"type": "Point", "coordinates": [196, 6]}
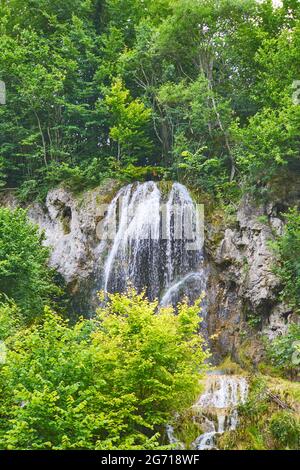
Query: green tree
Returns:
{"type": "Point", "coordinates": [48, 62]}
{"type": "Point", "coordinates": [112, 382]}
{"type": "Point", "coordinates": [129, 118]}
{"type": "Point", "coordinates": [269, 144]}
{"type": "Point", "coordinates": [24, 274]}
{"type": "Point", "coordinates": [217, 76]}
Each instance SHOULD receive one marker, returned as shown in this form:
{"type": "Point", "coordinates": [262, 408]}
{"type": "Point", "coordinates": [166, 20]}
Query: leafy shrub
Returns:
{"type": "Point", "coordinates": [24, 274]}
{"type": "Point", "coordinates": [287, 249]}
{"type": "Point", "coordinates": [10, 318]}
{"type": "Point", "coordinates": [138, 173]}
{"type": "Point", "coordinates": [111, 382]}
{"type": "Point", "coordinates": [284, 351]}
{"type": "Point", "coordinates": [285, 429]}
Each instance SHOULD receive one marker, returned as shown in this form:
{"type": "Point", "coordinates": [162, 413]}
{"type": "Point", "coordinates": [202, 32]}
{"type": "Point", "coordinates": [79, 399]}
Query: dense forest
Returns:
{"type": "Point", "coordinates": [187, 89]}
{"type": "Point", "coordinates": [204, 92]}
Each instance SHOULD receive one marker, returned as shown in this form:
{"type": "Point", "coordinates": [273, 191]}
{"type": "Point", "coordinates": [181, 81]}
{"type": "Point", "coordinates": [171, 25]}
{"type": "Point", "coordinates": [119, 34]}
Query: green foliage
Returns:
{"type": "Point", "coordinates": [286, 429]}
{"type": "Point", "coordinates": [138, 173]}
{"type": "Point", "coordinates": [287, 249]}
{"type": "Point", "coordinates": [186, 428]}
{"type": "Point", "coordinates": [10, 318]}
{"type": "Point", "coordinates": [284, 351]}
{"type": "Point", "coordinates": [24, 275]}
{"type": "Point", "coordinates": [128, 117]}
{"type": "Point", "coordinates": [48, 63]}
{"type": "Point", "coordinates": [253, 320]}
{"type": "Point", "coordinates": [111, 382]}
{"type": "Point", "coordinates": [203, 89]}
{"type": "Point", "coordinates": [268, 143]}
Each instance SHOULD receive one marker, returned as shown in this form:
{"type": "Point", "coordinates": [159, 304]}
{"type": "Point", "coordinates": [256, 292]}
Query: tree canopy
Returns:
{"type": "Point", "coordinates": [24, 273]}
{"type": "Point", "coordinates": [201, 88]}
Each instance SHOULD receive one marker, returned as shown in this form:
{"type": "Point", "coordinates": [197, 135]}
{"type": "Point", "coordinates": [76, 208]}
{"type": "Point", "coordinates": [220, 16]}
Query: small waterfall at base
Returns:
{"type": "Point", "coordinates": [216, 410]}
{"type": "Point", "coordinates": [220, 400]}
{"type": "Point", "coordinates": [156, 244]}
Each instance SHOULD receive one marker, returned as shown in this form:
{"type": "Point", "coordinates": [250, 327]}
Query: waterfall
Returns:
{"type": "Point", "coordinates": [192, 282]}
{"type": "Point", "coordinates": [218, 406]}
{"type": "Point", "coordinates": [216, 410]}
{"type": "Point", "coordinates": [152, 240]}
{"type": "Point", "coordinates": [172, 438]}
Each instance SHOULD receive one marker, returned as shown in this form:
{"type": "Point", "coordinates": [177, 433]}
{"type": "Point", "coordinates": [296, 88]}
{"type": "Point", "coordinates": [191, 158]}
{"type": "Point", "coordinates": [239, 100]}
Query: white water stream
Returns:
{"type": "Point", "coordinates": [154, 241]}
{"type": "Point", "coordinates": [216, 410]}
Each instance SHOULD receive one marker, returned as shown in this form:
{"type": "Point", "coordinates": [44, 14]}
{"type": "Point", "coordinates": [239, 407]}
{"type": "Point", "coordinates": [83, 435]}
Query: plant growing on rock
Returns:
{"type": "Point", "coordinates": [287, 249]}
{"type": "Point", "coordinates": [24, 273]}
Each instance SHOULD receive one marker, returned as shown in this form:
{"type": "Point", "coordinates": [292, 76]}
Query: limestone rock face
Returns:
{"type": "Point", "coordinates": [68, 231]}
{"type": "Point", "coordinates": [70, 226]}
{"type": "Point", "coordinates": [242, 287]}
{"type": "Point", "coordinates": [242, 290]}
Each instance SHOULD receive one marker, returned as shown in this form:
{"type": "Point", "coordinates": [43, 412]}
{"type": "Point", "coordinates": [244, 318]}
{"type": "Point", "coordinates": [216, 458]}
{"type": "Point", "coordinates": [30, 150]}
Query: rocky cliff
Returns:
{"type": "Point", "coordinates": [242, 291]}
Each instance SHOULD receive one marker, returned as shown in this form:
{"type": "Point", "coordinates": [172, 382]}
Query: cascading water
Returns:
{"type": "Point", "coordinates": [219, 405]}
{"type": "Point", "coordinates": [153, 241]}
{"type": "Point", "coordinates": [189, 283]}
{"type": "Point", "coordinates": [216, 410]}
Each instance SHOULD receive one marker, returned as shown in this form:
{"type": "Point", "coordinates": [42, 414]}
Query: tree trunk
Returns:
{"type": "Point", "coordinates": [43, 138]}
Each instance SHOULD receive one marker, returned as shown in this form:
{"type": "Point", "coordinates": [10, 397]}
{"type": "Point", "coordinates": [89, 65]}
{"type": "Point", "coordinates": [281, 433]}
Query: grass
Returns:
{"type": "Point", "coordinates": [263, 424]}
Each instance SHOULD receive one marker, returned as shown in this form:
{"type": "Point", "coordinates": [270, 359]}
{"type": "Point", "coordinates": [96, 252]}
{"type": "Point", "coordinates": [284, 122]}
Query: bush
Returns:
{"type": "Point", "coordinates": [138, 173]}
{"type": "Point", "coordinates": [284, 351]}
{"type": "Point", "coordinates": [285, 429]}
{"type": "Point", "coordinates": [24, 273]}
{"type": "Point", "coordinates": [111, 382]}
{"type": "Point", "coordinates": [10, 318]}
